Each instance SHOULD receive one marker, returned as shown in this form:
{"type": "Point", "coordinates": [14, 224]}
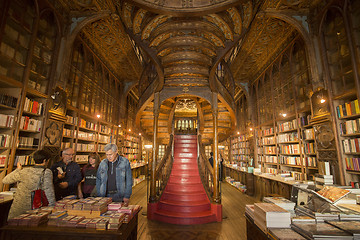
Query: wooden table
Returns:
{"type": "Point", "coordinates": [126, 231]}
{"type": "Point", "coordinates": [4, 211]}
{"type": "Point", "coordinates": [253, 232]}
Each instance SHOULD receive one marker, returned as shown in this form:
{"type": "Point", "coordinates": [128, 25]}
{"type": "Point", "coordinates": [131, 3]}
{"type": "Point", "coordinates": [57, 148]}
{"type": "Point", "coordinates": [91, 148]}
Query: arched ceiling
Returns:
{"type": "Point", "coordinates": [187, 37]}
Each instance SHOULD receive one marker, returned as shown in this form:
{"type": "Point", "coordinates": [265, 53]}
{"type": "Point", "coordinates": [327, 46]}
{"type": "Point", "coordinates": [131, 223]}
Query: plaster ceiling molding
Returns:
{"type": "Point", "coordinates": [271, 4]}
{"type": "Point", "coordinates": [236, 19]}
{"type": "Point", "coordinates": [182, 68]}
{"type": "Point", "coordinates": [185, 6]}
{"type": "Point", "coordinates": [294, 4]}
{"type": "Point", "coordinates": [126, 14]}
{"type": "Point", "coordinates": [180, 81]}
{"type": "Point", "coordinates": [113, 46]}
{"type": "Point", "coordinates": [160, 38]}
{"type": "Point", "coordinates": [213, 38]}
{"type": "Point", "coordinates": [248, 12]}
{"type": "Point", "coordinates": [155, 22]}
{"type": "Point", "coordinates": [187, 42]}
{"type": "Point", "coordinates": [186, 57]}
{"type": "Point", "coordinates": [221, 24]}
{"type": "Point", "coordinates": [138, 19]}
{"type": "Point", "coordinates": [186, 105]}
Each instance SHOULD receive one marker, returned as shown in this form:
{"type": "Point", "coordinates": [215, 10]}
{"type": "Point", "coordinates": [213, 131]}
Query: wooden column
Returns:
{"type": "Point", "coordinates": [215, 110]}
{"type": "Point", "coordinates": [153, 160]}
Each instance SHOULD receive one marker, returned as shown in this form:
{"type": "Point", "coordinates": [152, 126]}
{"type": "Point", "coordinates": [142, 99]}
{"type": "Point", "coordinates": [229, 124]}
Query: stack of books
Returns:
{"type": "Point", "coordinates": [249, 210]}
{"type": "Point", "coordinates": [56, 217]}
{"type": "Point", "coordinates": [352, 227]}
{"type": "Point", "coordinates": [321, 180]}
{"type": "Point", "coordinates": [281, 202]}
{"type": "Point", "coordinates": [269, 215]}
{"type": "Point", "coordinates": [307, 219]}
{"type": "Point", "coordinates": [320, 231]}
{"type": "Point", "coordinates": [350, 212]}
{"type": "Point", "coordinates": [284, 234]}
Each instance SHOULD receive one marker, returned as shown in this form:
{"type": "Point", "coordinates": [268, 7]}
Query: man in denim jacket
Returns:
{"type": "Point", "coordinates": [114, 177]}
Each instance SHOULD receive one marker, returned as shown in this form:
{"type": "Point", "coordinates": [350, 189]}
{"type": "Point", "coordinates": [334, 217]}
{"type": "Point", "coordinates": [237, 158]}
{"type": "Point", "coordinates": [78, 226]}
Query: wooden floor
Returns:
{"type": "Point", "coordinates": [233, 226]}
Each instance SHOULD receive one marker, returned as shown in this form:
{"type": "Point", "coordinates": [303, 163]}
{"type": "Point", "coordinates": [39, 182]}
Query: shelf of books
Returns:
{"type": "Point", "coordinates": [267, 158]}
{"type": "Point", "coordinates": [30, 126]}
{"type": "Point", "coordinates": [86, 138]}
{"type": "Point", "coordinates": [130, 147]}
{"type": "Point", "coordinates": [107, 134]}
{"type": "Point", "coordinates": [42, 54]}
{"type": "Point", "coordinates": [224, 150]}
{"type": "Point", "coordinates": [309, 146]}
{"type": "Point", "coordinates": [348, 123]}
{"type": "Point", "coordinates": [288, 149]}
{"type": "Point", "coordinates": [240, 150]}
{"type": "Point", "coordinates": [290, 153]}
{"type": "Point", "coordinates": [16, 38]}
{"type": "Point", "coordinates": [70, 129]}
{"type": "Point", "coordinates": [9, 105]}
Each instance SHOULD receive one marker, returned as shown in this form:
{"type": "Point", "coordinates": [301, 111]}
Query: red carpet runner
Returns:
{"type": "Point", "coordinates": [184, 200]}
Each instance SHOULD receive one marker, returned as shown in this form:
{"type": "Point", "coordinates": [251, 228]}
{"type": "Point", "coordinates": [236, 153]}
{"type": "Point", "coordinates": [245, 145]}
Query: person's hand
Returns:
{"type": "Point", "coordinates": [126, 202]}
{"type": "Point", "coordinates": [19, 165]}
{"type": "Point", "coordinates": [61, 175]}
{"type": "Point", "coordinates": [80, 194]}
{"type": "Point", "coordinates": [63, 185]}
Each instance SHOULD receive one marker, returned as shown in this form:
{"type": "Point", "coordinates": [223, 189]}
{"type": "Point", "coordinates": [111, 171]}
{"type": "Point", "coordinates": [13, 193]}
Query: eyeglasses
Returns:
{"type": "Point", "coordinates": [69, 154]}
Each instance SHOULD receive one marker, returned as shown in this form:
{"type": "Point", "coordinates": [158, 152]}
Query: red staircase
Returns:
{"type": "Point", "coordinates": [184, 200]}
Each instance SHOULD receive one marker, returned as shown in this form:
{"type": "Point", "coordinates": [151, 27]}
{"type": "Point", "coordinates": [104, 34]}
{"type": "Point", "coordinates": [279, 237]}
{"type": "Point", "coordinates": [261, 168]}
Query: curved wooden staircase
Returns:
{"type": "Point", "coordinates": [184, 200]}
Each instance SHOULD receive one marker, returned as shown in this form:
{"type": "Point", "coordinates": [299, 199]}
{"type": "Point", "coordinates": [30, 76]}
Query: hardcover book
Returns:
{"type": "Point", "coordinates": [320, 231]}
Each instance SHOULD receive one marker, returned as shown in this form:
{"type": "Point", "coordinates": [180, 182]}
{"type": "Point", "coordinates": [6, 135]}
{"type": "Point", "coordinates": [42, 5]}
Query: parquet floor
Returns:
{"type": "Point", "coordinates": [233, 226]}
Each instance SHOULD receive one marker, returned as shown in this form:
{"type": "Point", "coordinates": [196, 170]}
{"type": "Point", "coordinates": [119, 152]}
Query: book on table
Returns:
{"type": "Point", "coordinates": [284, 234]}
{"type": "Point", "coordinates": [281, 202]}
{"type": "Point", "coordinates": [269, 215]}
{"type": "Point", "coordinates": [320, 231]}
{"type": "Point", "coordinates": [352, 227]}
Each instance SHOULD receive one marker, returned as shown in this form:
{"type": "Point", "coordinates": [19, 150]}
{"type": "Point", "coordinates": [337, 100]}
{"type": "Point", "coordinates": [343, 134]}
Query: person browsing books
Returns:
{"type": "Point", "coordinates": [27, 180]}
{"type": "Point", "coordinates": [67, 175]}
{"type": "Point", "coordinates": [87, 185]}
{"type": "Point", "coordinates": [114, 177]}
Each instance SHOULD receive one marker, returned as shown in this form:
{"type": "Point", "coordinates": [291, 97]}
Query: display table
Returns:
{"type": "Point", "coordinates": [244, 177]}
{"type": "Point", "coordinates": [253, 232]}
{"type": "Point", "coordinates": [4, 211]}
{"type": "Point", "coordinates": [126, 231]}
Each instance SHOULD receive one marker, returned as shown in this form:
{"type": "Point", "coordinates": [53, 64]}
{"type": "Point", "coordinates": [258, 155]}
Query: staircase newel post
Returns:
{"type": "Point", "coordinates": [216, 141]}
{"type": "Point", "coordinates": [154, 157]}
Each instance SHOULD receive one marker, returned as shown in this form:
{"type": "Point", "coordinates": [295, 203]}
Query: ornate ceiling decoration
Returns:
{"type": "Point", "coordinates": [267, 38]}
{"type": "Point", "coordinates": [187, 37]}
{"type": "Point", "coordinates": [106, 36]}
{"type": "Point", "coordinates": [184, 6]}
{"type": "Point", "coordinates": [186, 105]}
{"type": "Point", "coordinates": [187, 47]}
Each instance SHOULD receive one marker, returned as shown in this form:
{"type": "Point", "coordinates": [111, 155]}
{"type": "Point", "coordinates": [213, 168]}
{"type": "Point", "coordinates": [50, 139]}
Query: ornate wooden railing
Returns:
{"type": "Point", "coordinates": [163, 169]}
{"type": "Point", "coordinates": [206, 171]}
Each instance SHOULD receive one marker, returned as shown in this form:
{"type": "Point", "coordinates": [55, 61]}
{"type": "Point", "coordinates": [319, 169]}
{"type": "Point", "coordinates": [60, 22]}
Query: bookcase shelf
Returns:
{"type": "Point", "coordinates": [242, 150]}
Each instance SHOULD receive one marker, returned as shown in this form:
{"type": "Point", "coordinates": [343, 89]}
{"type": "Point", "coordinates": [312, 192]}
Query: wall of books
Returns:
{"type": "Point", "coordinates": [343, 83]}
{"type": "Point", "coordinates": [284, 138]}
{"type": "Point", "coordinates": [130, 148]}
{"type": "Point", "coordinates": [28, 36]}
{"type": "Point", "coordinates": [241, 150]}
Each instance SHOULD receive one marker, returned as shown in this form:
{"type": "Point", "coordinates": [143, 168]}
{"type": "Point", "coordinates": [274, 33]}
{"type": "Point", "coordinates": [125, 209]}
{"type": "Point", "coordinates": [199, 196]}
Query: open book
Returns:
{"type": "Point", "coordinates": [332, 194]}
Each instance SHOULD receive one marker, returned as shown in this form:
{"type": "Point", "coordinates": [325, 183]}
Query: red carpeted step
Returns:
{"type": "Point", "coordinates": [184, 200]}
{"type": "Point", "coordinates": [184, 187]}
{"type": "Point", "coordinates": [179, 196]}
{"type": "Point", "coordinates": [184, 179]}
{"type": "Point", "coordinates": [185, 218]}
{"type": "Point", "coordinates": [185, 206]}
